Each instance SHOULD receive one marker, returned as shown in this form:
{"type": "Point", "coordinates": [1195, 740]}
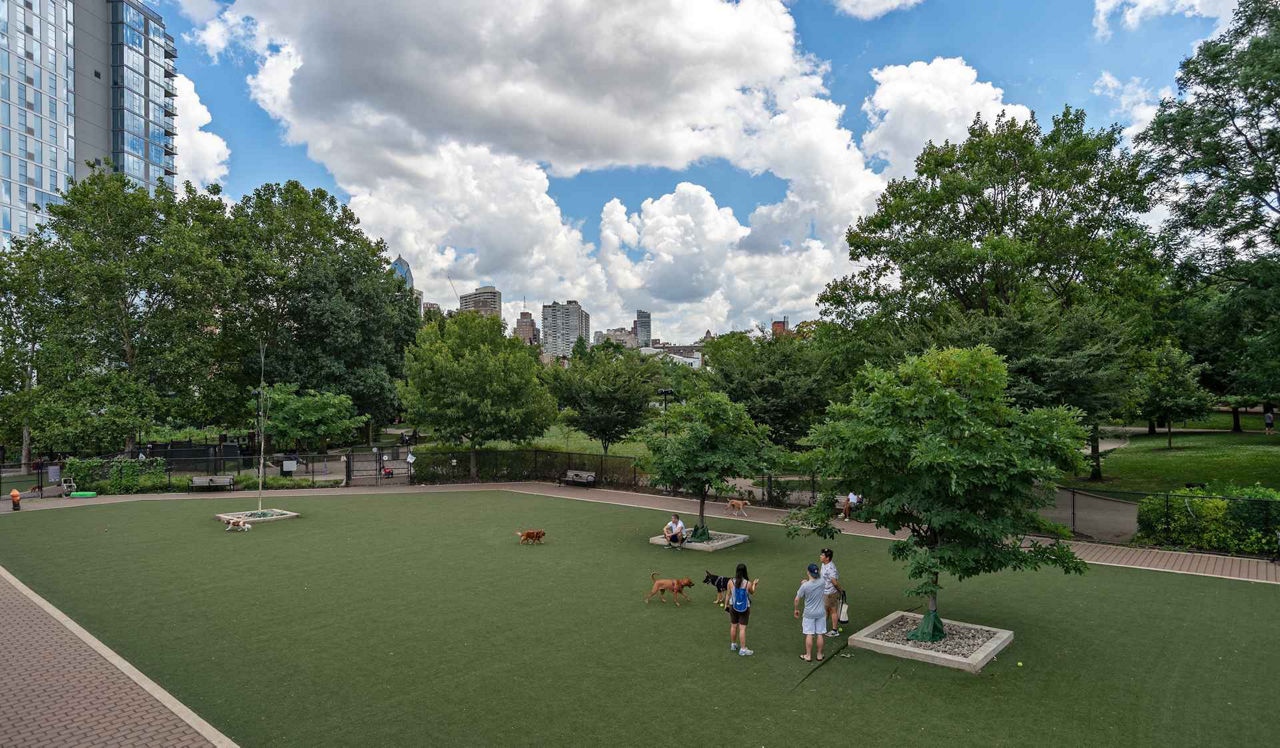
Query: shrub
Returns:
{"type": "Point", "coordinates": [120, 475]}
{"type": "Point", "coordinates": [1195, 518]}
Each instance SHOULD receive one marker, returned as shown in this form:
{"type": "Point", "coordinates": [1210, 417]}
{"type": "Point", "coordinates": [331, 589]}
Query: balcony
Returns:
{"type": "Point", "coordinates": [170, 107]}
{"type": "Point", "coordinates": [170, 90]}
{"type": "Point", "coordinates": [170, 51]}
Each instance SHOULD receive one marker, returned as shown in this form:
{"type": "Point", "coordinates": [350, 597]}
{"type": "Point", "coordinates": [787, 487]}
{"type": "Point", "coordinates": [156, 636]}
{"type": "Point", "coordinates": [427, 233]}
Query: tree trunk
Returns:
{"type": "Point", "coordinates": [1169, 431]}
{"type": "Point", "coordinates": [475, 473]}
{"type": "Point", "coordinates": [369, 433]}
{"type": "Point", "coordinates": [1235, 420]}
{"type": "Point", "coordinates": [1151, 427]}
{"type": "Point", "coordinates": [1095, 454]}
{"type": "Point", "coordinates": [26, 447]}
{"type": "Point", "coordinates": [702, 509]}
{"type": "Point", "coordinates": [130, 442]}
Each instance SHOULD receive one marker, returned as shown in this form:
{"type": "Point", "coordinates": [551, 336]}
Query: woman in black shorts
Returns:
{"type": "Point", "coordinates": [737, 601]}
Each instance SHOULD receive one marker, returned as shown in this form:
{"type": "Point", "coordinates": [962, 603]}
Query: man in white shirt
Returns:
{"type": "Point", "coordinates": [674, 532]}
{"type": "Point", "coordinates": [831, 590]}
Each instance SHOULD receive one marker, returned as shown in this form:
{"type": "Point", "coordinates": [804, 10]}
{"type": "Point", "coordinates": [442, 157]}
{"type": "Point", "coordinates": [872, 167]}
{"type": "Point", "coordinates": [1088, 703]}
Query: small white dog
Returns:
{"type": "Point", "coordinates": [239, 525]}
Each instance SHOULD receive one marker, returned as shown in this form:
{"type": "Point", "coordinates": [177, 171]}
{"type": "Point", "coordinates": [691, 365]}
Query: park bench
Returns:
{"type": "Point", "coordinates": [579, 478]}
{"type": "Point", "coordinates": [212, 481]}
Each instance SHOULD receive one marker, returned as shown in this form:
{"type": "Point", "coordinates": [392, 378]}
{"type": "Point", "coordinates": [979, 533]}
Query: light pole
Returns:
{"type": "Point", "coordinates": [262, 418]}
{"type": "Point", "coordinates": [665, 394]}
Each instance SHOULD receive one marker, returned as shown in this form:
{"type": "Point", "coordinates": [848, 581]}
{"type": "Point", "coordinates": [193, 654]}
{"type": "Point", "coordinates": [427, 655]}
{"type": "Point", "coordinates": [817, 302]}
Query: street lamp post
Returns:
{"type": "Point", "coordinates": [666, 393]}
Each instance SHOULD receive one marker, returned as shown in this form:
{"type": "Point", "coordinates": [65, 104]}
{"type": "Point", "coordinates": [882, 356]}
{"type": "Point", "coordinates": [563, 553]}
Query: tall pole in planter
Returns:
{"type": "Point", "coordinates": [262, 426]}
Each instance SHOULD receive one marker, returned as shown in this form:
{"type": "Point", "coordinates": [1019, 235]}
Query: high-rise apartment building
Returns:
{"type": "Point", "coordinates": [82, 80]}
{"type": "Point", "coordinates": [526, 329]}
{"type": "Point", "coordinates": [562, 325]}
{"type": "Point", "coordinates": [642, 328]}
{"type": "Point", "coordinates": [486, 300]}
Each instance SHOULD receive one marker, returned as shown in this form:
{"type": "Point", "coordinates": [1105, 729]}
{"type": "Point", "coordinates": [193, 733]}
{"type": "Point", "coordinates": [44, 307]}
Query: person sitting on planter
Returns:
{"type": "Point", "coordinates": [674, 532]}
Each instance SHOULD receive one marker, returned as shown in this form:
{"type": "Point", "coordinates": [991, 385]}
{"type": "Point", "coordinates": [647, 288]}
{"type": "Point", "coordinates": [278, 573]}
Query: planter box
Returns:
{"type": "Point", "coordinates": [973, 663]}
{"type": "Point", "coordinates": [719, 541]}
{"type": "Point", "coordinates": [275, 515]}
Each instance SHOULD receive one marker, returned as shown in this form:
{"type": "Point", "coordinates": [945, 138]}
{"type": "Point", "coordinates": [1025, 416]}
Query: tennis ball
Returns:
{"type": "Point", "coordinates": [1019, 664]}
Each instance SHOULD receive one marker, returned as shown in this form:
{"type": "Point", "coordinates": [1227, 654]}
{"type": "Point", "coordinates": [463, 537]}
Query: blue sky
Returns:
{"type": "Point", "coordinates": [1039, 55]}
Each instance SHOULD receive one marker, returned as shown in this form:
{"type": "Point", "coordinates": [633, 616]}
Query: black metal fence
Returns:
{"type": "Point", "coordinates": [432, 467]}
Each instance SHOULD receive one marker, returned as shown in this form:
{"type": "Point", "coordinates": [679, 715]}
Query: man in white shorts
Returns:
{"type": "Point", "coordinates": [814, 620]}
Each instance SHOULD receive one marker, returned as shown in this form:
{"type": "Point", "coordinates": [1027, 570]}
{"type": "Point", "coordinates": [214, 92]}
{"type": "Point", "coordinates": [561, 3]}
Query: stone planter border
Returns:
{"type": "Point", "coordinates": [280, 514]}
{"type": "Point", "coordinates": [973, 663]}
{"type": "Point", "coordinates": [719, 541]}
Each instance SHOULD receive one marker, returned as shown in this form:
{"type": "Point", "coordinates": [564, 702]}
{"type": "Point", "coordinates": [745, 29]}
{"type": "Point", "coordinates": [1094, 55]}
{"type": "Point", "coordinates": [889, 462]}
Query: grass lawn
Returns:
{"type": "Point", "coordinates": [416, 620]}
{"type": "Point", "coordinates": [1215, 420]}
{"type": "Point", "coordinates": [1147, 464]}
{"type": "Point", "coordinates": [565, 439]}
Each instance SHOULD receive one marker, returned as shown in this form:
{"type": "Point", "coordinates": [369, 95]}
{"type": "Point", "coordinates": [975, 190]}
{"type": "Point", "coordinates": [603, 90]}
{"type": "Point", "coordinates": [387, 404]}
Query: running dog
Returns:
{"type": "Point", "coordinates": [531, 536]}
{"type": "Point", "coordinates": [675, 586]}
{"type": "Point", "coordinates": [737, 506]}
{"type": "Point", "coordinates": [239, 525]}
{"type": "Point", "coordinates": [720, 583]}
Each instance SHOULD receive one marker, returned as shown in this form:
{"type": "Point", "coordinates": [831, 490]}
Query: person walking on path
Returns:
{"type": "Point", "coordinates": [831, 589]}
{"type": "Point", "coordinates": [814, 620]}
{"type": "Point", "coordinates": [737, 601]}
{"type": "Point", "coordinates": [1269, 418]}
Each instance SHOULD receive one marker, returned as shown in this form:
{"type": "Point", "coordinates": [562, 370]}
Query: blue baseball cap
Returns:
{"type": "Point", "coordinates": [813, 570]}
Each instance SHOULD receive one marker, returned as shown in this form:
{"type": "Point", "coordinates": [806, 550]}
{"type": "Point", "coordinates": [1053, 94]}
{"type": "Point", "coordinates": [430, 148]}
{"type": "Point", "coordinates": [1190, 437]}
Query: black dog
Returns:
{"type": "Point", "coordinates": [720, 583]}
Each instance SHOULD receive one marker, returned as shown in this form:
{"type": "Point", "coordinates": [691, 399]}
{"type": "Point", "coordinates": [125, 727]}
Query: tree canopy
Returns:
{"type": "Point", "coordinates": [936, 449]}
{"type": "Point", "coordinates": [606, 391]}
{"type": "Point", "coordinates": [306, 418]}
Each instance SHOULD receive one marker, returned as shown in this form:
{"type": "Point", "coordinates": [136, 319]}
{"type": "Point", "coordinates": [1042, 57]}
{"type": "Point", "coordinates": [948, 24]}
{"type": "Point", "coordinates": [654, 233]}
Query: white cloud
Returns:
{"type": "Point", "coordinates": [202, 155]}
{"type": "Point", "coordinates": [869, 9]}
{"type": "Point", "coordinates": [199, 11]}
{"type": "Point", "coordinates": [1135, 103]}
{"type": "Point", "coordinates": [445, 133]}
{"type": "Point", "coordinates": [1134, 12]}
{"type": "Point", "coordinates": [927, 101]}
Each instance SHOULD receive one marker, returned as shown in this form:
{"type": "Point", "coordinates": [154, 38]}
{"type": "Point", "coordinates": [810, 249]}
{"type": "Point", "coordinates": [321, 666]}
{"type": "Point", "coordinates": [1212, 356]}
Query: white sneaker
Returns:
{"type": "Point", "coordinates": [832, 634]}
{"type": "Point", "coordinates": [733, 646]}
{"type": "Point", "coordinates": [745, 652]}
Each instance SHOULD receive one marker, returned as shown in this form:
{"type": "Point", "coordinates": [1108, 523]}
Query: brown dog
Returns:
{"type": "Point", "coordinates": [676, 586]}
{"type": "Point", "coordinates": [531, 536]}
{"type": "Point", "coordinates": [737, 506]}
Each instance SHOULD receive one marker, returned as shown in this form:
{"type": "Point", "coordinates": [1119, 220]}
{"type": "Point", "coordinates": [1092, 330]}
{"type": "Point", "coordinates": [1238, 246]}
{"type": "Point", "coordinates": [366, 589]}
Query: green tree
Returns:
{"type": "Point", "coordinates": [308, 418]}
{"type": "Point", "coordinates": [20, 329]}
{"type": "Point", "coordinates": [128, 294]}
{"type": "Point", "coordinates": [320, 293]}
{"type": "Point", "coordinates": [1168, 388]}
{"type": "Point", "coordinates": [700, 444]}
{"type": "Point", "coordinates": [606, 392]}
{"type": "Point", "coordinates": [937, 449]}
{"type": "Point", "coordinates": [471, 384]}
{"type": "Point", "coordinates": [782, 381]}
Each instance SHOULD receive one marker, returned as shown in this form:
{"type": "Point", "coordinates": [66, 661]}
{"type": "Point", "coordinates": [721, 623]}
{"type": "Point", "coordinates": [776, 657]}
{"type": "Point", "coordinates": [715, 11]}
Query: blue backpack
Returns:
{"type": "Point", "coordinates": [740, 601]}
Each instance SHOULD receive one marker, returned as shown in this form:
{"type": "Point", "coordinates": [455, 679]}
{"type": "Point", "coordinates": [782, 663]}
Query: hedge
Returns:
{"type": "Point", "coordinates": [1220, 517]}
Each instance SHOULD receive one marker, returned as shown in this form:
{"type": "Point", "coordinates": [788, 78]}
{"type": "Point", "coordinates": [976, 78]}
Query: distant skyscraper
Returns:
{"type": "Point", "coordinates": [402, 269]}
{"type": "Point", "coordinates": [526, 330]}
{"type": "Point", "coordinates": [562, 325]}
{"type": "Point", "coordinates": [642, 328]}
{"type": "Point", "coordinates": [620, 335]}
{"type": "Point", "coordinates": [486, 300]}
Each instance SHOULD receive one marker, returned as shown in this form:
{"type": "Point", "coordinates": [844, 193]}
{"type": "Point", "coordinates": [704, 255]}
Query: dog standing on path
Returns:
{"type": "Point", "coordinates": [675, 586]}
{"type": "Point", "coordinates": [737, 506]}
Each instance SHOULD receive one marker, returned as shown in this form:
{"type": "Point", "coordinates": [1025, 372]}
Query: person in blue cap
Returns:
{"type": "Point", "coordinates": [813, 619]}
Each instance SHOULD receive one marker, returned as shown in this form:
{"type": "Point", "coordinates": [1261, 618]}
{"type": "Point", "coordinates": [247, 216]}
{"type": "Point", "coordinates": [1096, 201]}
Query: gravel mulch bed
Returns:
{"type": "Point", "coordinates": [961, 641]}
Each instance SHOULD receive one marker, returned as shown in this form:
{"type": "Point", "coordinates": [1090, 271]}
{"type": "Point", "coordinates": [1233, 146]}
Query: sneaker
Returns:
{"type": "Point", "coordinates": [733, 646]}
{"type": "Point", "coordinates": [745, 652]}
{"type": "Point", "coordinates": [831, 634]}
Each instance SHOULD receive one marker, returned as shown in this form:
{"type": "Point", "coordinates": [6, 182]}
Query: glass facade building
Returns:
{"type": "Point", "coordinates": [80, 80]}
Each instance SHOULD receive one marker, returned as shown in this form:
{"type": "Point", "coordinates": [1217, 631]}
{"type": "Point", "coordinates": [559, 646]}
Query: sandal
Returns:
{"type": "Point", "coordinates": [806, 659]}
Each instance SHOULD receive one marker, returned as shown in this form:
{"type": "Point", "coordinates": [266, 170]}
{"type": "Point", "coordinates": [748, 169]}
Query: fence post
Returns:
{"type": "Point", "coordinates": [600, 472]}
{"type": "Point", "coordinates": [1168, 528]}
{"type": "Point", "coordinates": [1073, 510]}
{"type": "Point", "coordinates": [634, 480]}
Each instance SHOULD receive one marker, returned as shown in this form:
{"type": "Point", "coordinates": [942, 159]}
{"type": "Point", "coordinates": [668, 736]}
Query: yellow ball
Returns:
{"type": "Point", "coordinates": [1019, 664]}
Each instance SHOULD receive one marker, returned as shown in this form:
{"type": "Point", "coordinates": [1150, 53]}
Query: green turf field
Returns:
{"type": "Point", "coordinates": [419, 620]}
{"type": "Point", "coordinates": [1148, 465]}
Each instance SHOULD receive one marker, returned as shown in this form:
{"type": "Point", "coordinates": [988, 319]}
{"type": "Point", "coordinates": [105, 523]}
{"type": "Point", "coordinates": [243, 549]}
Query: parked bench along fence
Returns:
{"type": "Point", "coordinates": [578, 478]}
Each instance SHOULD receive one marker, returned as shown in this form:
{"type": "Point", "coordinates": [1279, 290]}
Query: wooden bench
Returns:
{"type": "Point", "coordinates": [579, 478]}
{"type": "Point", "coordinates": [212, 481]}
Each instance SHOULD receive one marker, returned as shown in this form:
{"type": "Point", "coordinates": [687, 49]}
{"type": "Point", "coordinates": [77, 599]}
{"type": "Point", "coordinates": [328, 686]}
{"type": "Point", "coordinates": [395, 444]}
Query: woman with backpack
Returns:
{"type": "Point", "coordinates": [737, 602]}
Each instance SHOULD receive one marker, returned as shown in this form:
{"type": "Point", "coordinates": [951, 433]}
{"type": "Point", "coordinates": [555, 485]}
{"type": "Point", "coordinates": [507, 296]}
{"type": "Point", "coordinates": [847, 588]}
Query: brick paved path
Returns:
{"type": "Point", "coordinates": [56, 690]}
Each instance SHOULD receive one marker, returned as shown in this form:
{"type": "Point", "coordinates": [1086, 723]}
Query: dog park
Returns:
{"type": "Point", "coordinates": [415, 617]}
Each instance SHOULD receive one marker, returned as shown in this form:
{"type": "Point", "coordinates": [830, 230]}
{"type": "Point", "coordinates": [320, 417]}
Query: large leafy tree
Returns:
{"type": "Point", "coordinates": [20, 329]}
{"type": "Point", "coordinates": [320, 295]}
{"type": "Point", "coordinates": [306, 418]}
{"type": "Point", "coordinates": [1168, 388]}
{"type": "Point", "coordinates": [782, 381]}
{"type": "Point", "coordinates": [127, 295]}
{"type": "Point", "coordinates": [1026, 240]}
{"type": "Point", "coordinates": [698, 445]}
{"type": "Point", "coordinates": [1216, 148]}
{"type": "Point", "coordinates": [470, 384]}
{"type": "Point", "coordinates": [938, 451]}
{"type": "Point", "coordinates": [606, 391]}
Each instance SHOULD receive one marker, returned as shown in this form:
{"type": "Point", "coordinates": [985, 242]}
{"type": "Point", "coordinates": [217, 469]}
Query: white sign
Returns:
{"type": "Point", "coordinates": [411, 459]}
{"type": "Point", "coordinates": [290, 466]}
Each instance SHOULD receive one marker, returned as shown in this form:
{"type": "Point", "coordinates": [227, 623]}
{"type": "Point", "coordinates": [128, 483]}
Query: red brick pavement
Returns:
{"type": "Point", "coordinates": [56, 690]}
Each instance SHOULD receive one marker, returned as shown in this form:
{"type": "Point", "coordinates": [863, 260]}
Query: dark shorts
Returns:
{"type": "Point", "coordinates": [739, 618]}
{"type": "Point", "coordinates": [676, 539]}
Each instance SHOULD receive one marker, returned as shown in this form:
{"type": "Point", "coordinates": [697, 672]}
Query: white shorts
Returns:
{"type": "Point", "coordinates": [814, 625]}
